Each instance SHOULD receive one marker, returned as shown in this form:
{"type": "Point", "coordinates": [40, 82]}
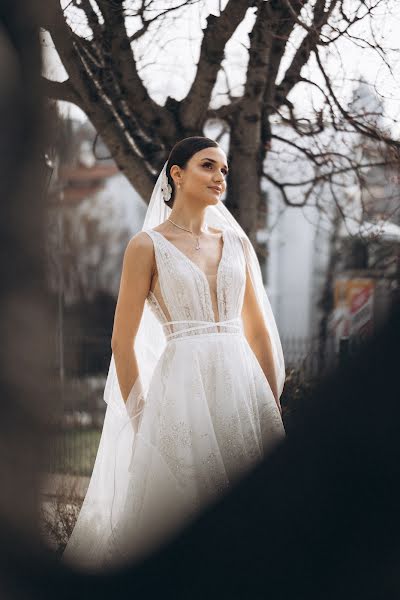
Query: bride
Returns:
{"type": "Point", "coordinates": [196, 372]}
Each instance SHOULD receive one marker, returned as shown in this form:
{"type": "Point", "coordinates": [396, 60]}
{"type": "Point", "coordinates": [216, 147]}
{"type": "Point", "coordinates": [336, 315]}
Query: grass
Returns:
{"type": "Point", "coordinates": [74, 451]}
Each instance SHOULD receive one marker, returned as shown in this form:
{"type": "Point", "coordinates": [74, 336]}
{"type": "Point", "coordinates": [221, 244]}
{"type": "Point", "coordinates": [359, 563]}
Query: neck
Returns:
{"type": "Point", "coordinates": [188, 218]}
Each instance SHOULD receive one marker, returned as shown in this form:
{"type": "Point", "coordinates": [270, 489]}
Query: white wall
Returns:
{"type": "Point", "coordinates": [298, 252]}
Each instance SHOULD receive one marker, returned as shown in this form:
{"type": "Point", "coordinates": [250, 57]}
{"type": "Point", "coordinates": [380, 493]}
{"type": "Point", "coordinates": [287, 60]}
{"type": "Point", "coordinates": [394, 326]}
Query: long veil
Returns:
{"type": "Point", "coordinates": [92, 537]}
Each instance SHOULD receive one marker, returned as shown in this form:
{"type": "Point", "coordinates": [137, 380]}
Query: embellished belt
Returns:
{"type": "Point", "coordinates": [234, 324]}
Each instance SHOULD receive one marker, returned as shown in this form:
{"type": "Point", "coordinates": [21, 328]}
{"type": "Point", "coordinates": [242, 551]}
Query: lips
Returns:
{"type": "Point", "coordinates": [216, 188]}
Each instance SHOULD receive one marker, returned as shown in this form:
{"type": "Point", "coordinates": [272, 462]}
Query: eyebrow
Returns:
{"type": "Point", "coordinates": [214, 161]}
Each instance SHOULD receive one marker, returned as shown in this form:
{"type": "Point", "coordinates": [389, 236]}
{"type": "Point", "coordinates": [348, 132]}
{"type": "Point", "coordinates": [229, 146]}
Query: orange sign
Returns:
{"type": "Point", "coordinates": [353, 310]}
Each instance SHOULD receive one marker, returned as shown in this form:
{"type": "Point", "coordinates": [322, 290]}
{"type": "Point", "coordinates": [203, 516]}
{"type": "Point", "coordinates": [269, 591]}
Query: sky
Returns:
{"type": "Point", "coordinates": [169, 67]}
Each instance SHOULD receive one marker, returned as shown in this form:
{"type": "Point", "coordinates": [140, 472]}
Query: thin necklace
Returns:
{"type": "Point", "coordinates": [190, 231]}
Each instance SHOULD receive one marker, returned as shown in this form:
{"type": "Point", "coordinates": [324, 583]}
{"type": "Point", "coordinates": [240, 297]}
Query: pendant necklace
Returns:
{"type": "Point", "coordinates": [197, 247]}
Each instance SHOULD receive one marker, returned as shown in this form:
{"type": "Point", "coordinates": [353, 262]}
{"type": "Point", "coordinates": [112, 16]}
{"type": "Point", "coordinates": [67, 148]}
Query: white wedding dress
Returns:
{"type": "Point", "coordinates": [209, 413]}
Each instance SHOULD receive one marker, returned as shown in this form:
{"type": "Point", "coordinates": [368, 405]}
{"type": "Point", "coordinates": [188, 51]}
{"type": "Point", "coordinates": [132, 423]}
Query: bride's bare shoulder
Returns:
{"type": "Point", "coordinates": [140, 247]}
{"type": "Point", "coordinates": [140, 240]}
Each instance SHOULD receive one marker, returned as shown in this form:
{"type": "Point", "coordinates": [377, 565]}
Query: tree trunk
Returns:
{"type": "Point", "coordinates": [245, 163]}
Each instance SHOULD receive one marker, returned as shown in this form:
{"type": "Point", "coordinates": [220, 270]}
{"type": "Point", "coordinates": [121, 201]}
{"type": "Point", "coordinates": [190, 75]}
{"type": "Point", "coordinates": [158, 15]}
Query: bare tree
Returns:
{"type": "Point", "coordinates": [331, 460]}
{"type": "Point", "coordinates": [103, 43]}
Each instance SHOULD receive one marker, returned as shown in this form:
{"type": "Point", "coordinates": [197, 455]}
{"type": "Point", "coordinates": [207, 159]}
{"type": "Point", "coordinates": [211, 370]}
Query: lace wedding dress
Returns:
{"type": "Point", "coordinates": [209, 414]}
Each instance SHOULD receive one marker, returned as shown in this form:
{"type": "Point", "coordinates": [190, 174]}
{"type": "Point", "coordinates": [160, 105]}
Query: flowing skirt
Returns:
{"type": "Point", "coordinates": [209, 416]}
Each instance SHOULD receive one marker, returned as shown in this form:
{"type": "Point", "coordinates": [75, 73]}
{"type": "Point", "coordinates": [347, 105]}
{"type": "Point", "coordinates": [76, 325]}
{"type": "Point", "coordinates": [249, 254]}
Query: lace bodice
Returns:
{"type": "Point", "coordinates": [185, 293]}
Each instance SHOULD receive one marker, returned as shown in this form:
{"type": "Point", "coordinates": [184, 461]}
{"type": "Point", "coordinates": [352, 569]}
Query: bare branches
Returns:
{"type": "Point", "coordinates": [146, 23]}
{"type": "Point", "coordinates": [362, 127]}
{"type": "Point", "coordinates": [357, 168]}
{"type": "Point", "coordinates": [64, 42]}
{"type": "Point", "coordinates": [119, 60]}
{"type": "Point", "coordinates": [104, 68]}
{"type": "Point", "coordinates": [329, 169]}
{"type": "Point", "coordinates": [109, 71]}
{"type": "Point", "coordinates": [219, 30]}
{"type": "Point", "coordinates": [282, 189]}
{"type": "Point", "coordinates": [93, 19]}
{"type": "Point", "coordinates": [327, 172]}
{"type": "Point", "coordinates": [309, 44]}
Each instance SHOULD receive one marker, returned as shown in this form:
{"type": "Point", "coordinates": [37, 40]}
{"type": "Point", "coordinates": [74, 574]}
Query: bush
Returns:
{"type": "Point", "coordinates": [299, 385]}
{"type": "Point", "coordinates": [59, 515]}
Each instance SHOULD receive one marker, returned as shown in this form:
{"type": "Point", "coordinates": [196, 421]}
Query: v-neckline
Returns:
{"type": "Point", "coordinates": [203, 275]}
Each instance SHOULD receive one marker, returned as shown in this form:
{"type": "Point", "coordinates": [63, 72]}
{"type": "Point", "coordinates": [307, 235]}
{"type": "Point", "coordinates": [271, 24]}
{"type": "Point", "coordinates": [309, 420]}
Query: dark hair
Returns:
{"type": "Point", "coordinates": [182, 152]}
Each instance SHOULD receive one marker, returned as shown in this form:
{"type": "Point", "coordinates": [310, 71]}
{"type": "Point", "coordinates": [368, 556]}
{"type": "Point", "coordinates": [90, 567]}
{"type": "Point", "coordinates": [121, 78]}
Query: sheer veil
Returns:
{"type": "Point", "coordinates": [92, 537]}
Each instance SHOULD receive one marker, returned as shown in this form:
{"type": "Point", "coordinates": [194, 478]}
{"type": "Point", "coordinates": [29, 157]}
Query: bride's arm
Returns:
{"type": "Point", "coordinates": [257, 335]}
{"type": "Point", "coordinates": [134, 287]}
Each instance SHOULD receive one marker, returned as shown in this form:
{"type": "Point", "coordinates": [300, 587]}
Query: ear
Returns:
{"type": "Point", "coordinates": [176, 174]}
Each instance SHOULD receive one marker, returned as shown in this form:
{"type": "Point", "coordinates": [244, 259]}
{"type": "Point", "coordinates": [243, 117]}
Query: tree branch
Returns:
{"type": "Point", "coordinates": [219, 30]}
{"type": "Point", "coordinates": [60, 91]}
{"type": "Point", "coordinates": [93, 19]}
{"type": "Point", "coordinates": [121, 62]}
{"type": "Point", "coordinates": [283, 26]}
{"type": "Point", "coordinates": [322, 178]}
{"type": "Point", "coordinates": [363, 128]}
{"type": "Point", "coordinates": [62, 38]}
{"type": "Point", "coordinates": [302, 55]}
{"type": "Point", "coordinates": [225, 112]}
{"type": "Point", "coordinates": [146, 23]}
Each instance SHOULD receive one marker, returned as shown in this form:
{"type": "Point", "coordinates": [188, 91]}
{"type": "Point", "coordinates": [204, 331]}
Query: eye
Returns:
{"type": "Point", "coordinates": [224, 171]}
